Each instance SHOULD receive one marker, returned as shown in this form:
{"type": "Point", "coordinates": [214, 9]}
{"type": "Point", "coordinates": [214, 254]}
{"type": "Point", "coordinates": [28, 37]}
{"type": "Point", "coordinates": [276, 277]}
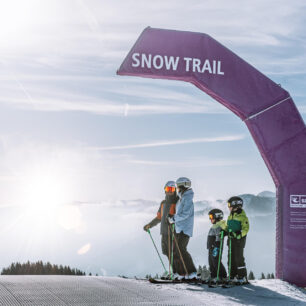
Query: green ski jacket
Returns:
{"type": "Point", "coordinates": [238, 221]}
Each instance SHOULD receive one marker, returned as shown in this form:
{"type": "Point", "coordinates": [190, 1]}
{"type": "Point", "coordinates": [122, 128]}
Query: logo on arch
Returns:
{"type": "Point", "coordinates": [298, 201]}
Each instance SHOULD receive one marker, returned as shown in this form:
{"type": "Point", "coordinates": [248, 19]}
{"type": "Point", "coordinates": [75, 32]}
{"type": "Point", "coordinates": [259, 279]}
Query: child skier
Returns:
{"type": "Point", "coordinates": [214, 245]}
{"type": "Point", "coordinates": [238, 227]}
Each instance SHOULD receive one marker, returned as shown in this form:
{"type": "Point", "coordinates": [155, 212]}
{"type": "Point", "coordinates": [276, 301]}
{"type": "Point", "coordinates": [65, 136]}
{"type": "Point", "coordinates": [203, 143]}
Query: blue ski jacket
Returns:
{"type": "Point", "coordinates": [184, 217]}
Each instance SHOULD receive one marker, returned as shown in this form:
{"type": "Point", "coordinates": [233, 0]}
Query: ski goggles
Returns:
{"type": "Point", "coordinates": [169, 189]}
{"type": "Point", "coordinates": [211, 217]}
{"type": "Point", "coordinates": [234, 203]}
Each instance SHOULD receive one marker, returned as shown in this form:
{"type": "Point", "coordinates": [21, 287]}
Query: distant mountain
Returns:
{"type": "Point", "coordinates": [259, 204]}
{"type": "Point", "coordinates": [267, 194]}
{"type": "Point", "coordinates": [263, 203]}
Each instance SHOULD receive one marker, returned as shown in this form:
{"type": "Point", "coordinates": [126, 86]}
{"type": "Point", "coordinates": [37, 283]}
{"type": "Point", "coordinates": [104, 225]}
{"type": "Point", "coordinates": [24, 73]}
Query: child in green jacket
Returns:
{"type": "Point", "coordinates": [238, 227]}
{"type": "Point", "coordinates": [214, 245]}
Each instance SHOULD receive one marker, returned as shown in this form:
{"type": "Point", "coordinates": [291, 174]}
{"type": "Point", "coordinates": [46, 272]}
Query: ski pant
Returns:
{"type": "Point", "coordinates": [166, 247]}
{"type": "Point", "coordinates": [213, 265]}
{"type": "Point", "coordinates": [182, 241]}
{"type": "Point", "coordinates": [238, 267]}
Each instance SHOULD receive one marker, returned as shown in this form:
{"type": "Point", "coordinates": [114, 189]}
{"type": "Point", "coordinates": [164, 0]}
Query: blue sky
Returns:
{"type": "Point", "coordinates": [72, 130]}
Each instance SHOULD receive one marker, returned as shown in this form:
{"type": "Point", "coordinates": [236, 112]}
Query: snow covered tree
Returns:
{"type": "Point", "coordinates": [251, 276]}
{"type": "Point", "coordinates": [268, 276]}
{"type": "Point", "coordinates": [38, 268]}
{"type": "Point", "coordinates": [263, 276]}
{"type": "Point", "coordinates": [272, 275]}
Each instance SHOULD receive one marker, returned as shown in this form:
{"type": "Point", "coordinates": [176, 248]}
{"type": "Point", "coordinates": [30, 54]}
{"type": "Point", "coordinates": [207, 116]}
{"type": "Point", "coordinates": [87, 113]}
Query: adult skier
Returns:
{"type": "Point", "coordinates": [184, 220]}
{"type": "Point", "coordinates": [238, 227]}
{"type": "Point", "coordinates": [167, 206]}
{"type": "Point", "coordinates": [214, 245]}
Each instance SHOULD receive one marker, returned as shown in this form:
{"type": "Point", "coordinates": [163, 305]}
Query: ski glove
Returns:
{"type": "Point", "coordinates": [170, 219]}
{"type": "Point", "coordinates": [147, 227]}
{"type": "Point", "coordinates": [215, 252]}
{"type": "Point", "coordinates": [237, 235]}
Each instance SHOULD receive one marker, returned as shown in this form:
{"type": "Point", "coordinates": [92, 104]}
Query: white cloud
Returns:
{"type": "Point", "coordinates": [105, 107]}
{"type": "Point", "coordinates": [117, 96]}
{"type": "Point", "coordinates": [302, 109]}
{"type": "Point", "coordinates": [189, 163]}
{"type": "Point", "coordinates": [172, 142]}
{"type": "Point", "coordinates": [102, 28]}
{"type": "Point", "coordinates": [80, 41]}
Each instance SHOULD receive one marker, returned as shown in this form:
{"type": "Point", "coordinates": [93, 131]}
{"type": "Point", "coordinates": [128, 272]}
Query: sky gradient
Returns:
{"type": "Point", "coordinates": [72, 130]}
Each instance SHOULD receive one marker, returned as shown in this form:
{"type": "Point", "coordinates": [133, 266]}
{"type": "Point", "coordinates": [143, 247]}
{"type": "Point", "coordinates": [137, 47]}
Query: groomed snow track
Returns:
{"type": "Point", "coordinates": [91, 290]}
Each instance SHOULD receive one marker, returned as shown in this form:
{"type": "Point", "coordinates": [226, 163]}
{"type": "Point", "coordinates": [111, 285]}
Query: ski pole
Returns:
{"type": "Point", "coordinates": [157, 250]}
{"type": "Point", "coordinates": [230, 254]}
{"type": "Point", "coordinates": [169, 251]}
{"type": "Point", "coordinates": [220, 254]}
{"type": "Point", "coordinates": [172, 251]}
{"type": "Point", "coordinates": [179, 250]}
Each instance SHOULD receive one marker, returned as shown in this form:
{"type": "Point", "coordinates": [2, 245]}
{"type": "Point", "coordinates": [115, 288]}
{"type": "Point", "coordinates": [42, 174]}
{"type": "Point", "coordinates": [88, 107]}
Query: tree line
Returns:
{"type": "Point", "coordinates": [39, 268]}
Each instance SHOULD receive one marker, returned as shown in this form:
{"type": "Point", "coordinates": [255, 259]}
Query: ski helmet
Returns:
{"type": "Point", "coordinates": [183, 182]}
{"type": "Point", "coordinates": [170, 186]}
{"type": "Point", "coordinates": [216, 214]}
{"type": "Point", "coordinates": [235, 202]}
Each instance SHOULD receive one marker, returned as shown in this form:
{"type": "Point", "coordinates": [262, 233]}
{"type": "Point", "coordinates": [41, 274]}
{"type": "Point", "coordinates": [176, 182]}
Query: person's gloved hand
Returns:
{"type": "Point", "coordinates": [215, 252]}
{"type": "Point", "coordinates": [146, 227]}
{"type": "Point", "coordinates": [170, 219]}
{"type": "Point", "coordinates": [237, 235]}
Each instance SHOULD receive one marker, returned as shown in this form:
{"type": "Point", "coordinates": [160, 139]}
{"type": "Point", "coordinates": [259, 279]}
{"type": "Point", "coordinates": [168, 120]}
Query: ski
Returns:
{"type": "Point", "coordinates": [236, 284]}
{"type": "Point", "coordinates": [215, 285]}
{"type": "Point", "coordinates": [183, 281]}
{"type": "Point", "coordinates": [225, 284]}
{"type": "Point", "coordinates": [164, 281]}
{"type": "Point", "coordinates": [228, 285]}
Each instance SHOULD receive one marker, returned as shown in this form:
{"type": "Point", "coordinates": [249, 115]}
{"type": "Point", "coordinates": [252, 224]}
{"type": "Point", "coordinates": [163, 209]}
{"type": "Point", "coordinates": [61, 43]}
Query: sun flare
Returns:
{"type": "Point", "coordinates": [44, 191]}
{"type": "Point", "coordinates": [44, 200]}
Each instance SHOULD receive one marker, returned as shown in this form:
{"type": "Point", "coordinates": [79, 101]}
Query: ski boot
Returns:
{"type": "Point", "coordinates": [166, 276]}
{"type": "Point", "coordinates": [241, 281]}
{"type": "Point", "coordinates": [191, 276]}
{"type": "Point", "coordinates": [213, 282]}
{"type": "Point", "coordinates": [178, 277]}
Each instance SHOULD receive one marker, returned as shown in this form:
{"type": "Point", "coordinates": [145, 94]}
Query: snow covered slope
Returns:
{"type": "Point", "coordinates": [82, 290]}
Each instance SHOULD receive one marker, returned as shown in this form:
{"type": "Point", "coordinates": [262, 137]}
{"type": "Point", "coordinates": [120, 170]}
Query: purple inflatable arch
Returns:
{"type": "Point", "coordinates": [267, 109]}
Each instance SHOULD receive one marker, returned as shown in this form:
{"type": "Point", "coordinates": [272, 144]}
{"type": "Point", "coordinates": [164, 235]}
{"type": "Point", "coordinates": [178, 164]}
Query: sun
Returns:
{"type": "Point", "coordinates": [43, 197]}
{"type": "Point", "coordinates": [45, 191]}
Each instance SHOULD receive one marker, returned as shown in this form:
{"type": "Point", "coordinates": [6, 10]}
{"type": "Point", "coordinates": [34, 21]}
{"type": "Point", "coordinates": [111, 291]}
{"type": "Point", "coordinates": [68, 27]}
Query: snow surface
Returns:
{"type": "Point", "coordinates": [92, 290]}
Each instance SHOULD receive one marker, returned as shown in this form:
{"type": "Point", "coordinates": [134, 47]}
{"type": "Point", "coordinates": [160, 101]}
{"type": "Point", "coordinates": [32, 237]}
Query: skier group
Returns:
{"type": "Point", "coordinates": [176, 218]}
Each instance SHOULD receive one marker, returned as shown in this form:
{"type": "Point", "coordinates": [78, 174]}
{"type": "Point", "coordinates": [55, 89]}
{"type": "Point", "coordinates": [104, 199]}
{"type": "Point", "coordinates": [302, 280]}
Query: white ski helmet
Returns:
{"type": "Point", "coordinates": [170, 184]}
{"type": "Point", "coordinates": [183, 182]}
